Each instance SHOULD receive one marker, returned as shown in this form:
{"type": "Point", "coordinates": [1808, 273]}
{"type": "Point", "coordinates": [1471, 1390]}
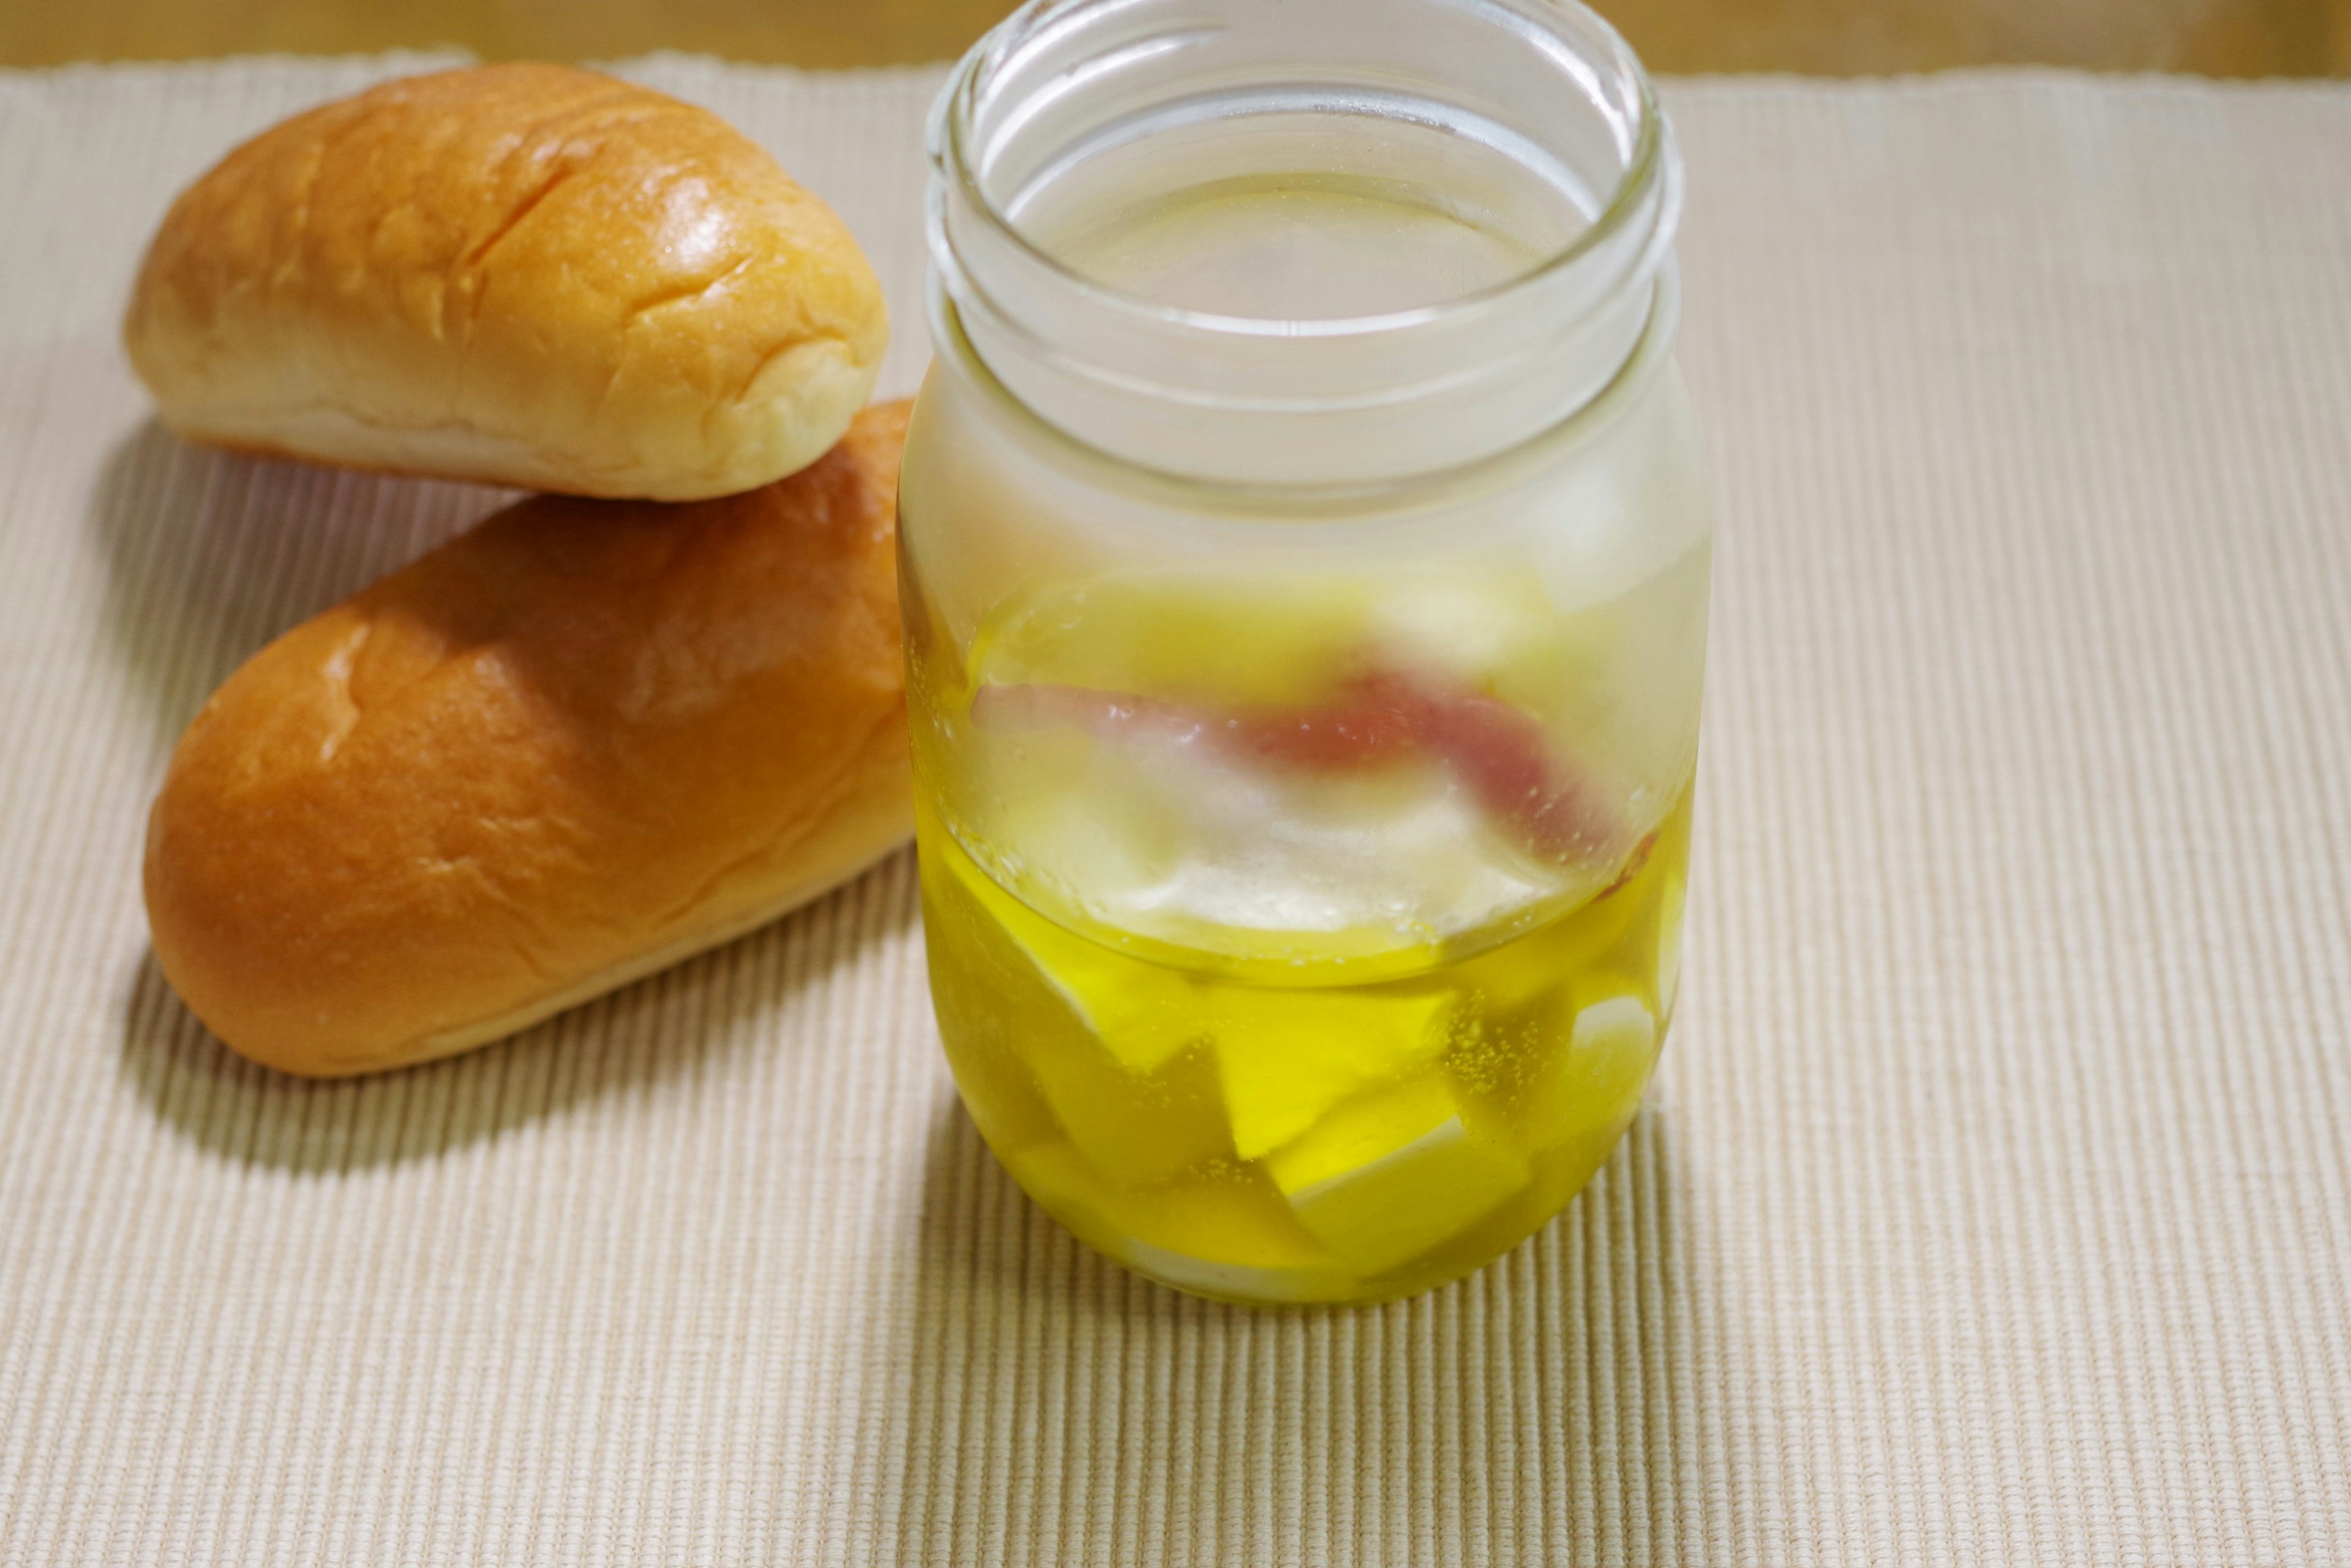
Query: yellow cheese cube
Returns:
{"type": "Point", "coordinates": [1383, 1179]}
{"type": "Point", "coordinates": [1595, 1084]}
{"type": "Point", "coordinates": [1286, 1058]}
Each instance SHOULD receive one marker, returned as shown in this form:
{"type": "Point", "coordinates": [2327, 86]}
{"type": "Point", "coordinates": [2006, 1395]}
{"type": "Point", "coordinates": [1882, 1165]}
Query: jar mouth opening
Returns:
{"type": "Point", "coordinates": [1616, 79]}
{"type": "Point", "coordinates": [1248, 505]}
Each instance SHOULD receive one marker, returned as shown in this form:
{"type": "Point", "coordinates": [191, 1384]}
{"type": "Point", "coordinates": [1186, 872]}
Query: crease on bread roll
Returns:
{"type": "Point", "coordinates": [568, 749]}
{"type": "Point", "coordinates": [523, 274]}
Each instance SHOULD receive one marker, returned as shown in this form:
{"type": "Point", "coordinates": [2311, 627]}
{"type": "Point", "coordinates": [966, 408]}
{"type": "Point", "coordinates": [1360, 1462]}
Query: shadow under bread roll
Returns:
{"type": "Point", "coordinates": [566, 750]}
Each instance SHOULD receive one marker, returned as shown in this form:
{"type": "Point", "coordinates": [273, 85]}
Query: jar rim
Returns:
{"type": "Point", "coordinates": [1248, 505]}
{"type": "Point", "coordinates": [1645, 161]}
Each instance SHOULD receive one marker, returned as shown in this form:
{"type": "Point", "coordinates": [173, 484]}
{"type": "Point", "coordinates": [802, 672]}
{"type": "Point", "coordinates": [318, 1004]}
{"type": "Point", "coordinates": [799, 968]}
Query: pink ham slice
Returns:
{"type": "Point", "coordinates": [1331, 739]}
{"type": "Point", "coordinates": [1498, 751]}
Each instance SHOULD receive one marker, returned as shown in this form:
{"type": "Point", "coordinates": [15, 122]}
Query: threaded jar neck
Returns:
{"type": "Point", "coordinates": [1442, 226]}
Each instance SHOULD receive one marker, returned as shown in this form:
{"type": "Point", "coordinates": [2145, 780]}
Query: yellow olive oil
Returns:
{"type": "Point", "coordinates": [1317, 1141]}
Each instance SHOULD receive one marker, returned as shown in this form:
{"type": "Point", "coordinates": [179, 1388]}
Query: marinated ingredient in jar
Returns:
{"type": "Point", "coordinates": [1362, 1140]}
{"type": "Point", "coordinates": [1309, 974]}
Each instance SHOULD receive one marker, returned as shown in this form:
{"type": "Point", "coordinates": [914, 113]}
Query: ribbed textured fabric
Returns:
{"type": "Point", "coordinates": [1992, 1206]}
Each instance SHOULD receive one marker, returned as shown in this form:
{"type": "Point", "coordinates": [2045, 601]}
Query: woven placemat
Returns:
{"type": "Point", "coordinates": [1993, 1204]}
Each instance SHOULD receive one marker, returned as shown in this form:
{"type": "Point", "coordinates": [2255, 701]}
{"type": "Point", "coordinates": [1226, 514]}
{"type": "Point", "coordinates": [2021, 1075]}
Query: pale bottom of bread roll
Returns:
{"type": "Point", "coordinates": [801, 390]}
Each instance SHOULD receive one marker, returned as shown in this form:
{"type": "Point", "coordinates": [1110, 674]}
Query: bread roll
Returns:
{"type": "Point", "coordinates": [522, 274]}
{"type": "Point", "coordinates": [569, 748]}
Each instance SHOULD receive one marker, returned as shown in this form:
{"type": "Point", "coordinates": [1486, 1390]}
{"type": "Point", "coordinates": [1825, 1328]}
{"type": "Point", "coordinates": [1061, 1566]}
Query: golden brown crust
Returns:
{"type": "Point", "coordinates": [524, 273]}
{"type": "Point", "coordinates": [497, 781]}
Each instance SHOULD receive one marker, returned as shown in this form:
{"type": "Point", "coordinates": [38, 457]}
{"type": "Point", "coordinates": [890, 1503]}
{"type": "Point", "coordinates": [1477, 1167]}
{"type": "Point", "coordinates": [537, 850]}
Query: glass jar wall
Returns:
{"type": "Point", "coordinates": [1305, 553]}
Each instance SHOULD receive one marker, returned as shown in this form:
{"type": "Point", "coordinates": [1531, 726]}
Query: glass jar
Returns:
{"type": "Point", "coordinates": [1305, 546]}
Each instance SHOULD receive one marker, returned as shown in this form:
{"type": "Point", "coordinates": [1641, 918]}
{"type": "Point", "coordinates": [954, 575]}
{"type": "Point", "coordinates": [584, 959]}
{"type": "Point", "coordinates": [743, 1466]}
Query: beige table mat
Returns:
{"type": "Point", "coordinates": [1992, 1205]}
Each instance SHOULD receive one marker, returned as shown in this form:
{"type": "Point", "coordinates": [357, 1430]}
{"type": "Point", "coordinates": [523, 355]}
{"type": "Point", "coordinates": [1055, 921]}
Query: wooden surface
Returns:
{"type": "Point", "coordinates": [2222, 37]}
